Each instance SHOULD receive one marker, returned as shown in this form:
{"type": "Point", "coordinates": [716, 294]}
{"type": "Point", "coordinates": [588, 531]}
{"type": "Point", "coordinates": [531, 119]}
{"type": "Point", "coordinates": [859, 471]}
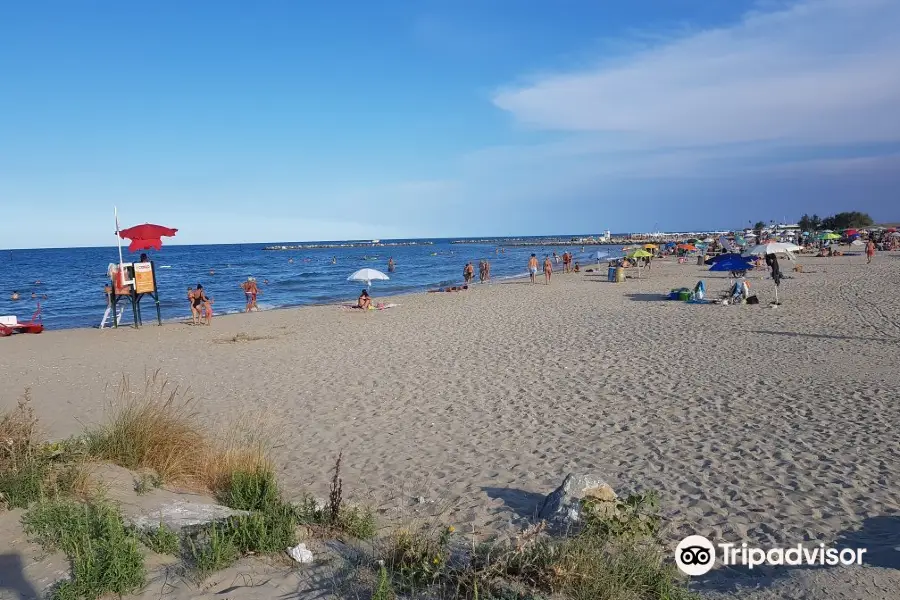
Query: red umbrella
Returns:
{"type": "Point", "coordinates": [146, 236]}
{"type": "Point", "coordinates": [850, 232]}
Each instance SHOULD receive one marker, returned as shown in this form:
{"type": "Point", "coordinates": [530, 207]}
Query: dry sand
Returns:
{"type": "Point", "coordinates": [765, 425]}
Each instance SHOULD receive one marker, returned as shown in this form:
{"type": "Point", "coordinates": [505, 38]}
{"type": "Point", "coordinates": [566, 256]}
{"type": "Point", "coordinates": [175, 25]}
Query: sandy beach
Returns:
{"type": "Point", "coordinates": [766, 425]}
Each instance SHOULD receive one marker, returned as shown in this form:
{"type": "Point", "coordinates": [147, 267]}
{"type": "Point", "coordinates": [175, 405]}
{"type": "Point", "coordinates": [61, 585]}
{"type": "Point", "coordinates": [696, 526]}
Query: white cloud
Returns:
{"type": "Point", "coordinates": [818, 71]}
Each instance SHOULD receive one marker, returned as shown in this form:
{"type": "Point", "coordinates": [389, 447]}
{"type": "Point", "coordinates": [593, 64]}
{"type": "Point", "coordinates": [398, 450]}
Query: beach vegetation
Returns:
{"type": "Point", "coordinates": [250, 490]}
{"type": "Point", "coordinates": [211, 551]}
{"type": "Point", "coordinates": [29, 469]}
{"type": "Point", "coordinates": [155, 428]}
{"type": "Point", "coordinates": [161, 540]}
{"type": "Point", "coordinates": [103, 552]}
{"type": "Point", "coordinates": [615, 555]}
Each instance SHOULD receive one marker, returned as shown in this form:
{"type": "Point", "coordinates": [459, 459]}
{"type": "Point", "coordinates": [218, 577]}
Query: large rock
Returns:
{"type": "Point", "coordinates": [181, 514]}
{"type": "Point", "coordinates": [562, 509]}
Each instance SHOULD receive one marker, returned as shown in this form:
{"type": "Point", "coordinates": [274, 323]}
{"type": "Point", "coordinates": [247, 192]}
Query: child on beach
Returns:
{"type": "Point", "coordinates": [208, 311]}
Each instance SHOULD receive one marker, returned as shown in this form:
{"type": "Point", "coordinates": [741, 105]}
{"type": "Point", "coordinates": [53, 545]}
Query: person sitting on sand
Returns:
{"type": "Point", "coordinates": [364, 301]}
{"type": "Point", "coordinates": [548, 269]}
{"type": "Point", "coordinates": [576, 268]}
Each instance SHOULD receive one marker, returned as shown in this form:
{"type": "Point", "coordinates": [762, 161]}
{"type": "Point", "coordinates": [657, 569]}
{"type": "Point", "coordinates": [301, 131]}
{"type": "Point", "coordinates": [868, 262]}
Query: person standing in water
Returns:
{"type": "Point", "coordinates": [250, 293]}
{"type": "Point", "coordinates": [391, 265]}
{"type": "Point", "coordinates": [532, 267]}
{"type": "Point", "coordinates": [548, 269]}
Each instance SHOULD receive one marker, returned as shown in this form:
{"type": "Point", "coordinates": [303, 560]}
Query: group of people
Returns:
{"type": "Point", "coordinates": [568, 261]}
{"type": "Point", "coordinates": [251, 291]}
{"type": "Point", "coordinates": [201, 305]}
{"type": "Point", "coordinates": [484, 272]}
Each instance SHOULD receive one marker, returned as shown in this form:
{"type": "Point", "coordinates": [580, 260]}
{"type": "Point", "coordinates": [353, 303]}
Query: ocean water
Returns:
{"type": "Point", "coordinates": [72, 279]}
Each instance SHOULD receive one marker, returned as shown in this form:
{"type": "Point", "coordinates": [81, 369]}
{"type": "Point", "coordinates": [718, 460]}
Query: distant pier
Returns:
{"type": "Point", "coordinates": [348, 245]}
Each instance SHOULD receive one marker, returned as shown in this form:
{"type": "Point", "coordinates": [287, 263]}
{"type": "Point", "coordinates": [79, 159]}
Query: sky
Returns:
{"type": "Point", "coordinates": [278, 120]}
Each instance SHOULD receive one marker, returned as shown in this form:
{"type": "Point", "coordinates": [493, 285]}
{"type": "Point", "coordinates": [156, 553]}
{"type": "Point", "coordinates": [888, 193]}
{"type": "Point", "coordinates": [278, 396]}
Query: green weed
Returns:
{"type": "Point", "coordinates": [161, 540]}
{"type": "Point", "coordinates": [103, 553]}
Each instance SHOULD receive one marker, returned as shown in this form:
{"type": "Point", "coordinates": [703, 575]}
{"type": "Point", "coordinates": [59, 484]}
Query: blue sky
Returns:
{"type": "Point", "coordinates": [279, 120]}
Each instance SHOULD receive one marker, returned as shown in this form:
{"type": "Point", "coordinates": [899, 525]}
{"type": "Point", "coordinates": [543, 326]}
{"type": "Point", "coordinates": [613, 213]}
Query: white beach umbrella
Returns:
{"type": "Point", "coordinates": [773, 248]}
{"type": "Point", "coordinates": [367, 276]}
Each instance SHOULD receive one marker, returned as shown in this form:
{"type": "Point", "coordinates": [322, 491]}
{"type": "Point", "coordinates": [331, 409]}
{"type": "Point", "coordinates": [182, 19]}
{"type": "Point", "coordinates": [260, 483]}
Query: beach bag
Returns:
{"type": "Point", "coordinates": [752, 300]}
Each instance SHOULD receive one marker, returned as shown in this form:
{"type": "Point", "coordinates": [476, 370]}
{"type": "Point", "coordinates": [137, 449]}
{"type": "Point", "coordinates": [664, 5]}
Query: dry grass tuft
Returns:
{"type": "Point", "coordinates": [153, 428]}
{"type": "Point", "coordinates": [245, 447]}
{"type": "Point", "coordinates": [157, 428]}
{"type": "Point", "coordinates": [31, 470]}
{"type": "Point", "coordinates": [18, 434]}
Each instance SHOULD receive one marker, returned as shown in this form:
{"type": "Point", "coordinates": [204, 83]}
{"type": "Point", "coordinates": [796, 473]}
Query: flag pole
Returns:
{"type": "Point", "coordinates": [119, 243]}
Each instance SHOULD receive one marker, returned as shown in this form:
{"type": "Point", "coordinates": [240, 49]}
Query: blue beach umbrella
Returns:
{"type": "Point", "coordinates": [732, 262]}
{"type": "Point", "coordinates": [720, 257]}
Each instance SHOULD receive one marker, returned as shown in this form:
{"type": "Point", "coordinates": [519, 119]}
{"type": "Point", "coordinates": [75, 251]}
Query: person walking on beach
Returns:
{"type": "Point", "coordinates": [487, 271]}
{"type": "Point", "coordinates": [532, 267]}
{"type": "Point", "coordinates": [548, 269]}
{"type": "Point", "coordinates": [870, 252]}
{"type": "Point", "coordinates": [250, 293]}
{"type": "Point", "coordinates": [567, 260]}
{"type": "Point", "coordinates": [468, 272]}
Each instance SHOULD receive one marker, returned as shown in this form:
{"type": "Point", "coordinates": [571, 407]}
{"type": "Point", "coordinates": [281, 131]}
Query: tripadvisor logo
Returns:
{"type": "Point", "coordinates": [695, 555]}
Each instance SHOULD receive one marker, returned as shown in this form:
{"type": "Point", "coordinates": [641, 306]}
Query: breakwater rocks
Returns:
{"type": "Point", "coordinates": [372, 244]}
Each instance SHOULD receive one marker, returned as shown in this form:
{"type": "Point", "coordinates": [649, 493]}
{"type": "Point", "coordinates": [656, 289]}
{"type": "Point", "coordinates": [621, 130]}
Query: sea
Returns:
{"type": "Point", "coordinates": [68, 283]}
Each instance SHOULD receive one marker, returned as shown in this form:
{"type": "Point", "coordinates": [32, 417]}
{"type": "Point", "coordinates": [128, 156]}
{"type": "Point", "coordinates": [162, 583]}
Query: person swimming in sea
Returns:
{"type": "Point", "coordinates": [15, 296]}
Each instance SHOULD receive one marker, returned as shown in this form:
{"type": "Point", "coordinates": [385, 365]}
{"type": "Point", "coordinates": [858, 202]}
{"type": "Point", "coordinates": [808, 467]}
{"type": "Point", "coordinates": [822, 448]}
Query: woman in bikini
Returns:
{"type": "Point", "coordinates": [364, 301]}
